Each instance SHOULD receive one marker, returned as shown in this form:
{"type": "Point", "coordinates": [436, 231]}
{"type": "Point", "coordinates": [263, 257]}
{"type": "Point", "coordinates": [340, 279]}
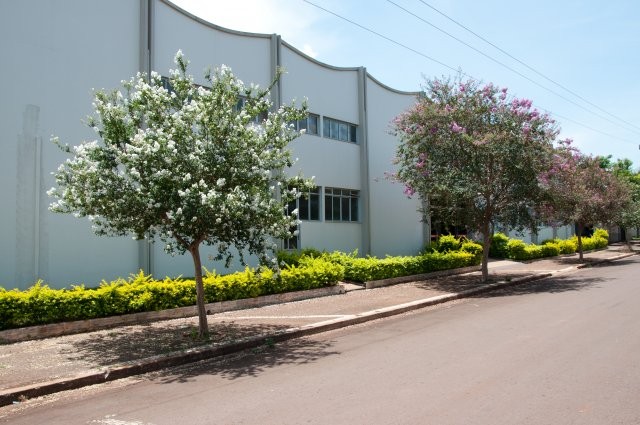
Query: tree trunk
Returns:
{"type": "Point", "coordinates": [626, 237]}
{"type": "Point", "coordinates": [580, 230]}
{"type": "Point", "coordinates": [203, 326]}
{"type": "Point", "coordinates": [486, 244]}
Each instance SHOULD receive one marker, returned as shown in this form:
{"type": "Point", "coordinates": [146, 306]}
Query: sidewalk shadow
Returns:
{"type": "Point", "coordinates": [120, 345]}
{"type": "Point", "coordinates": [458, 283]}
{"type": "Point", "coordinates": [621, 262]}
{"type": "Point", "coordinates": [550, 285]}
{"type": "Point", "coordinates": [466, 282]}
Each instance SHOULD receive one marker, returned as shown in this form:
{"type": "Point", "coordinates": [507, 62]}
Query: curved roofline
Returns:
{"type": "Point", "coordinates": [316, 61]}
{"type": "Point", "coordinates": [286, 44]}
{"type": "Point", "coordinates": [212, 25]}
{"type": "Point", "coordinates": [384, 86]}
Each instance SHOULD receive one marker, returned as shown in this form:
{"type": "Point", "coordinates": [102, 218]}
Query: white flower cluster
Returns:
{"type": "Point", "coordinates": [186, 165]}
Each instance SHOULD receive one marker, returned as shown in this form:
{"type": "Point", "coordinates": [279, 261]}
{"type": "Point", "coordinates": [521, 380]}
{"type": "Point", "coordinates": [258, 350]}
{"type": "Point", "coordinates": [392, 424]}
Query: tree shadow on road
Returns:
{"type": "Point", "coordinates": [621, 262]}
{"type": "Point", "coordinates": [459, 283]}
{"type": "Point", "coordinates": [556, 284]}
{"type": "Point", "coordinates": [472, 281]}
{"type": "Point", "coordinates": [250, 363]}
{"type": "Point", "coordinates": [126, 344]}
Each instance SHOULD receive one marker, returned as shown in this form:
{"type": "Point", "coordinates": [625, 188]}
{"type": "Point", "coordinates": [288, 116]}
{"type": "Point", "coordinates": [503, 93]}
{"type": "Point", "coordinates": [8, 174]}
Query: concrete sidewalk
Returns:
{"type": "Point", "coordinates": [34, 368]}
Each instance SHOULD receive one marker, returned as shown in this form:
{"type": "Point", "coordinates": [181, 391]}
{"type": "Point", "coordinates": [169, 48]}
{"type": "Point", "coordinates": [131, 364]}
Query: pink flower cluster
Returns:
{"type": "Point", "coordinates": [456, 128]}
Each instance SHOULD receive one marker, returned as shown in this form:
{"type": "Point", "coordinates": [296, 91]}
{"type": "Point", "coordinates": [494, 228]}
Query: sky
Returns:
{"type": "Point", "coordinates": [578, 60]}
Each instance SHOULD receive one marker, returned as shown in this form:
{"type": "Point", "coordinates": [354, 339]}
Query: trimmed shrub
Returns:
{"type": "Point", "coordinates": [593, 242]}
{"type": "Point", "coordinates": [447, 243]}
{"type": "Point", "coordinates": [550, 249]}
{"type": "Point", "coordinates": [567, 246]}
{"type": "Point", "coordinates": [371, 268]}
{"type": "Point", "coordinates": [533, 251]}
{"type": "Point", "coordinates": [292, 258]}
{"type": "Point", "coordinates": [601, 234]}
{"type": "Point", "coordinates": [41, 304]}
{"type": "Point", "coordinates": [516, 249]}
{"type": "Point", "coordinates": [472, 248]}
{"type": "Point", "coordinates": [498, 247]}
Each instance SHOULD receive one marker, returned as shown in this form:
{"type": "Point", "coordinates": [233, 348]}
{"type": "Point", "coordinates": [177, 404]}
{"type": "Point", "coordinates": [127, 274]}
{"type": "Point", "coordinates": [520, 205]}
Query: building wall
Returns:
{"type": "Point", "coordinates": [248, 55]}
{"type": "Point", "coordinates": [396, 226]}
{"type": "Point", "coordinates": [54, 54]}
{"type": "Point", "coordinates": [60, 49]}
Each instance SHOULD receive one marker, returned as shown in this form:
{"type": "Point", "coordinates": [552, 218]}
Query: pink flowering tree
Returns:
{"type": "Point", "coordinates": [465, 147]}
{"type": "Point", "coordinates": [581, 192]}
{"type": "Point", "coordinates": [623, 169]}
{"type": "Point", "coordinates": [188, 165]}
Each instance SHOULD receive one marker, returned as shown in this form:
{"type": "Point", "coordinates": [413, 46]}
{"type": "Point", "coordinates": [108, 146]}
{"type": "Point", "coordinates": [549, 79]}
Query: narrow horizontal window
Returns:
{"type": "Point", "coordinates": [339, 130]}
{"type": "Point", "coordinates": [308, 124]}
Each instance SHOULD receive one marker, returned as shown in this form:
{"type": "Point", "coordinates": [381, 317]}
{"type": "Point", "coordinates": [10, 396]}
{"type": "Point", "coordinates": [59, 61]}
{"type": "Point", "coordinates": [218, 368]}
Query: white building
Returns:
{"type": "Point", "coordinates": [54, 53]}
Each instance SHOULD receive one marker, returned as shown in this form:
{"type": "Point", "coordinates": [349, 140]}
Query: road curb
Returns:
{"type": "Point", "coordinates": [606, 260]}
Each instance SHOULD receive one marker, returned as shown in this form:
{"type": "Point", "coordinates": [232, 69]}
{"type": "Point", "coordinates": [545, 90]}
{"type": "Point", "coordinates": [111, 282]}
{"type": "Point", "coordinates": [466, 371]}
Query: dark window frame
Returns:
{"type": "Point", "coordinates": [341, 205]}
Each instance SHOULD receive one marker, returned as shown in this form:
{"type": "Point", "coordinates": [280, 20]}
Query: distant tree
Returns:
{"type": "Point", "coordinates": [188, 164]}
{"type": "Point", "coordinates": [623, 169]}
{"type": "Point", "coordinates": [581, 192]}
{"type": "Point", "coordinates": [466, 149]}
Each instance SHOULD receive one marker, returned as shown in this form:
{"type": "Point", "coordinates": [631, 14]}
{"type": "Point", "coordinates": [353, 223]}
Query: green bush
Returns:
{"type": "Point", "coordinates": [448, 243]}
{"type": "Point", "coordinates": [550, 249]}
{"type": "Point", "coordinates": [601, 234]}
{"type": "Point", "coordinates": [41, 304]}
{"type": "Point", "coordinates": [371, 268]}
{"type": "Point", "coordinates": [516, 249]}
{"type": "Point", "coordinates": [286, 257]}
{"type": "Point", "coordinates": [472, 248]}
{"type": "Point", "coordinates": [567, 246]}
{"type": "Point", "coordinates": [498, 247]}
{"type": "Point", "coordinates": [593, 242]}
{"type": "Point", "coordinates": [519, 251]}
{"type": "Point", "coordinates": [292, 258]}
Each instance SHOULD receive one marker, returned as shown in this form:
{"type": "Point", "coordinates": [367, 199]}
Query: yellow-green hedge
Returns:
{"type": "Point", "coordinates": [370, 268]}
{"type": "Point", "coordinates": [41, 304]}
{"type": "Point", "coordinates": [517, 250]}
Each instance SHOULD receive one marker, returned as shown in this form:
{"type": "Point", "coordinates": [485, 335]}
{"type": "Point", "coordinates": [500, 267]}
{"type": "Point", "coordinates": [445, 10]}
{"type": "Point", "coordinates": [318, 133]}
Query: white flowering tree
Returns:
{"type": "Point", "coordinates": [187, 164]}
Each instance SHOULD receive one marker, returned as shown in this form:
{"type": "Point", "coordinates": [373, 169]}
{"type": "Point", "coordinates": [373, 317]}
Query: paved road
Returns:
{"type": "Point", "coordinates": [562, 351]}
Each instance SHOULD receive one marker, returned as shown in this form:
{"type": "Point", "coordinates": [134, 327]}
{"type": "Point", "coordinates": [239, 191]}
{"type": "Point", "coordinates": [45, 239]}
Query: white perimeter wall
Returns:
{"type": "Point", "coordinates": [54, 53]}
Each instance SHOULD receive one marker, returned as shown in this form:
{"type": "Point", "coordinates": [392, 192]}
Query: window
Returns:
{"type": "Point", "coordinates": [339, 130]}
{"type": "Point", "coordinates": [166, 84]}
{"type": "Point", "coordinates": [242, 101]}
{"type": "Point", "coordinates": [292, 242]}
{"type": "Point", "coordinates": [310, 124]}
{"type": "Point", "coordinates": [308, 205]}
{"type": "Point", "coordinates": [341, 204]}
